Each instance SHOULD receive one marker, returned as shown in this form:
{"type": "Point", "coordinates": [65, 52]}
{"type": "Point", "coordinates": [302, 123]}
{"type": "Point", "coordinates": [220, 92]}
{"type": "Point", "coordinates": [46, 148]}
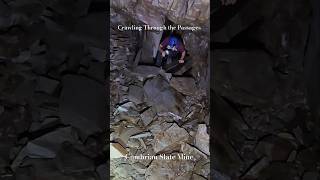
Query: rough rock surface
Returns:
{"type": "Point", "coordinates": [52, 90]}
{"type": "Point", "coordinates": [169, 140]}
{"type": "Point", "coordinates": [202, 139]}
{"type": "Point", "coordinates": [153, 12]}
{"type": "Point", "coordinates": [162, 96]}
{"type": "Point", "coordinates": [186, 86]}
{"type": "Point", "coordinates": [177, 169]}
{"type": "Point", "coordinates": [265, 89]}
{"type": "Point", "coordinates": [82, 105]}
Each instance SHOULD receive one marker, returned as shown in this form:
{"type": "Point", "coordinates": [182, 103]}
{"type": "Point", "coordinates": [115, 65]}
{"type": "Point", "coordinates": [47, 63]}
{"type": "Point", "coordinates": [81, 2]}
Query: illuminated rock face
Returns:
{"type": "Point", "coordinates": [188, 14]}
{"type": "Point", "coordinates": [167, 106]}
{"type": "Point", "coordinates": [152, 12]}
{"type": "Point", "coordinates": [170, 139]}
{"type": "Point", "coordinates": [169, 169]}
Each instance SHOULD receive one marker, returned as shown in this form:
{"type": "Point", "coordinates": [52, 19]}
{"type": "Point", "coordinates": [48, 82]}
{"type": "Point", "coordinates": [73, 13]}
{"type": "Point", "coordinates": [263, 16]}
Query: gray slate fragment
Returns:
{"type": "Point", "coordinates": [253, 173]}
{"type": "Point", "coordinates": [185, 85]}
{"type": "Point", "coordinates": [47, 123]}
{"type": "Point", "coordinates": [147, 116]}
{"type": "Point", "coordinates": [170, 139]}
{"type": "Point", "coordinates": [36, 151]}
{"type": "Point", "coordinates": [136, 94]}
{"type": "Point", "coordinates": [147, 70]}
{"type": "Point", "coordinates": [46, 146]}
{"type": "Point", "coordinates": [70, 160]}
{"type": "Point", "coordinates": [162, 97]}
{"type": "Point", "coordinates": [46, 85]}
{"type": "Point", "coordinates": [202, 139]}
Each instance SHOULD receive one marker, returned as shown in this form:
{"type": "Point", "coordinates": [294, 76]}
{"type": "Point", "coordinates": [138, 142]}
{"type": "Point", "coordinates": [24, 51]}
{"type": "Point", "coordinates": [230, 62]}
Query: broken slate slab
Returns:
{"type": "Point", "coordinates": [70, 160]}
{"type": "Point", "coordinates": [117, 151]}
{"type": "Point", "coordinates": [162, 97]}
{"type": "Point", "coordinates": [136, 94]}
{"type": "Point", "coordinates": [83, 104]}
{"type": "Point", "coordinates": [189, 150]}
{"type": "Point", "coordinates": [253, 173]}
{"type": "Point", "coordinates": [47, 123]}
{"type": "Point", "coordinates": [159, 127]}
{"type": "Point", "coordinates": [126, 171]}
{"type": "Point", "coordinates": [128, 109]}
{"type": "Point", "coordinates": [46, 85]}
{"type": "Point", "coordinates": [46, 146]}
{"type": "Point", "coordinates": [142, 135]}
{"type": "Point", "coordinates": [181, 69]}
{"type": "Point", "coordinates": [202, 139]}
{"type": "Point", "coordinates": [274, 148]}
{"type": "Point", "coordinates": [146, 71]}
{"type": "Point", "coordinates": [170, 139]}
{"type": "Point", "coordinates": [169, 169]}
{"type": "Point", "coordinates": [36, 151]}
{"type": "Point", "coordinates": [126, 133]}
{"type": "Point", "coordinates": [184, 85]}
{"type": "Point", "coordinates": [147, 116]}
{"type": "Point", "coordinates": [202, 168]}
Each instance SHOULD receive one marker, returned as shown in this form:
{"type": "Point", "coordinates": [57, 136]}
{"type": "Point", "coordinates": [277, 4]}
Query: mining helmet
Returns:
{"type": "Point", "coordinates": [173, 41]}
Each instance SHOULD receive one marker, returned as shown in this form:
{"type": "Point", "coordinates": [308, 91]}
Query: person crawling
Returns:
{"type": "Point", "coordinates": [171, 48]}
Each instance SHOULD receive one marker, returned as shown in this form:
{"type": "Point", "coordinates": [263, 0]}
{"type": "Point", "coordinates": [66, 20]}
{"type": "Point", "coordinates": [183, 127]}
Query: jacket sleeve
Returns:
{"type": "Point", "coordinates": [165, 42]}
{"type": "Point", "coordinates": [180, 47]}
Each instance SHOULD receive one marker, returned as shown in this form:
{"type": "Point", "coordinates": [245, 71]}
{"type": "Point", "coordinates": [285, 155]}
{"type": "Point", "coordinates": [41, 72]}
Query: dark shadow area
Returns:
{"type": "Point", "coordinates": [264, 105]}
{"type": "Point", "coordinates": [53, 95]}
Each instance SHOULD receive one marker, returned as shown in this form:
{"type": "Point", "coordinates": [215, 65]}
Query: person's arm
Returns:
{"type": "Point", "coordinates": [182, 49]}
{"type": "Point", "coordinates": [183, 55]}
{"type": "Point", "coordinates": [160, 48]}
{"type": "Point", "coordinates": [163, 44]}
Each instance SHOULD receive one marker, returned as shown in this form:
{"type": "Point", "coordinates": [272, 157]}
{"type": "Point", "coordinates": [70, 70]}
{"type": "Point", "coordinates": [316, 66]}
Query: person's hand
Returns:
{"type": "Point", "coordinates": [181, 61]}
{"type": "Point", "coordinates": [163, 53]}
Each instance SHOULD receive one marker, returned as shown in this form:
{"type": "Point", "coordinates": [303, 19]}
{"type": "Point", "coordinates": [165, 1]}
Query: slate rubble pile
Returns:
{"type": "Point", "coordinates": [52, 90]}
{"type": "Point", "coordinates": [154, 112]}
